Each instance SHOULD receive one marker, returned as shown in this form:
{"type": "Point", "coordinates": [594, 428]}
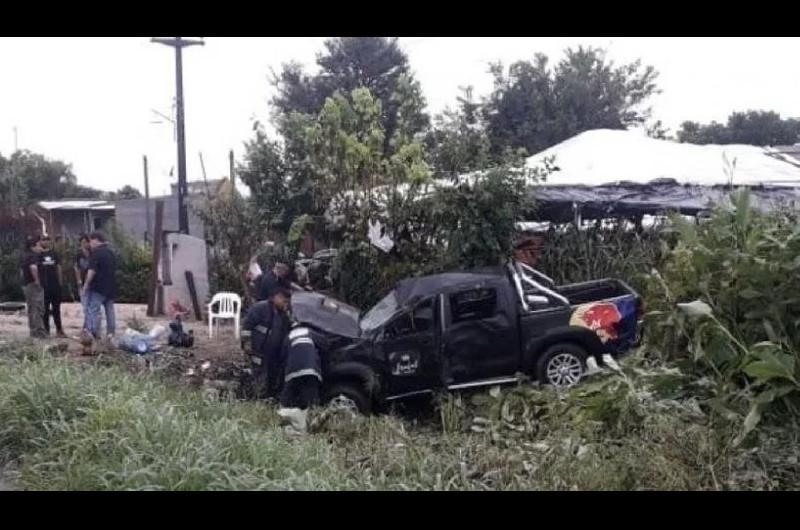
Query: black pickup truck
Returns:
{"type": "Point", "coordinates": [468, 329]}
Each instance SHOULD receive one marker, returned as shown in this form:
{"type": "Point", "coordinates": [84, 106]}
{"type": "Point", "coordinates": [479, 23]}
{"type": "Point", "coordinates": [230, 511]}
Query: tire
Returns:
{"type": "Point", "coordinates": [352, 391]}
{"type": "Point", "coordinates": [561, 365]}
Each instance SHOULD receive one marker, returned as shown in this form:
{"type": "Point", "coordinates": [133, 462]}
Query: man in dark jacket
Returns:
{"type": "Point", "coordinates": [267, 324]}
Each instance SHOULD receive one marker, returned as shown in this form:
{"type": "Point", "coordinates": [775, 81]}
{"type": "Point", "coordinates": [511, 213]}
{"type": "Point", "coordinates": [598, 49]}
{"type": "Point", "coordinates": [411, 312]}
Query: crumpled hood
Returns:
{"type": "Point", "coordinates": [328, 314]}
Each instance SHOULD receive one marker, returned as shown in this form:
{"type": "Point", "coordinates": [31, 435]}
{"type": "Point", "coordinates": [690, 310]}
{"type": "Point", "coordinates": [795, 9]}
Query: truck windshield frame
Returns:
{"type": "Point", "coordinates": [380, 313]}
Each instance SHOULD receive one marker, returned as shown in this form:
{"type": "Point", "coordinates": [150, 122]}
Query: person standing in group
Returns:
{"type": "Point", "coordinates": [52, 279]}
{"type": "Point", "coordinates": [32, 286]}
{"type": "Point", "coordinates": [101, 285]}
{"type": "Point", "coordinates": [81, 269]}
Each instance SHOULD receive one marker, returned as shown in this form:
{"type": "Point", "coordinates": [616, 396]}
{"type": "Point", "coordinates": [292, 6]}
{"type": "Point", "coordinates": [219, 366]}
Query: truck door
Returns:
{"type": "Point", "coordinates": [410, 344]}
{"type": "Point", "coordinates": [480, 338]}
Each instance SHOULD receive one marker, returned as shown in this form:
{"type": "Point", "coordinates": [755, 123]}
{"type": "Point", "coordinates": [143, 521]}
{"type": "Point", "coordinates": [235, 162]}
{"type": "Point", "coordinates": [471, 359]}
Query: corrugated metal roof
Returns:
{"type": "Point", "coordinates": [76, 205]}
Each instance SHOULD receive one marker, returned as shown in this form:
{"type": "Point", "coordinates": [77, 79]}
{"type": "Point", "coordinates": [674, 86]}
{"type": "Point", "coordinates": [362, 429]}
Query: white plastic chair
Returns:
{"type": "Point", "coordinates": [230, 306]}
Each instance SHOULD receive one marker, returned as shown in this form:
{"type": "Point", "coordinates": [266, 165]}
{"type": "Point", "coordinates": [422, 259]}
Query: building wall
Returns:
{"type": "Point", "coordinates": [184, 253]}
{"type": "Point", "coordinates": [131, 216]}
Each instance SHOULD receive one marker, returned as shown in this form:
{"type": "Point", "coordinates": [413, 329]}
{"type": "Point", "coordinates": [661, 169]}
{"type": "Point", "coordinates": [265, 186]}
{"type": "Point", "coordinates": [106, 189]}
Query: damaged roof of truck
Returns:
{"type": "Point", "coordinates": [415, 288]}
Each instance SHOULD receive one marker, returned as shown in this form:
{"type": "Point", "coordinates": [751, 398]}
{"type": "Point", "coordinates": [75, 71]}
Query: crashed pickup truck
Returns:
{"type": "Point", "coordinates": [462, 330]}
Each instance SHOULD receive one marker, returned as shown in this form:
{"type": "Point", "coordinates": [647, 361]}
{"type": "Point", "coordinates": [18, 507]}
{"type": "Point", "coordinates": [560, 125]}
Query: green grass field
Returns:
{"type": "Point", "coordinates": [77, 426]}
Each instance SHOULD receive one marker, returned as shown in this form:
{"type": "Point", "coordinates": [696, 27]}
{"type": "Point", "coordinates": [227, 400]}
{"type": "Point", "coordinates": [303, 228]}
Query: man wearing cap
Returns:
{"type": "Point", "coordinates": [266, 324]}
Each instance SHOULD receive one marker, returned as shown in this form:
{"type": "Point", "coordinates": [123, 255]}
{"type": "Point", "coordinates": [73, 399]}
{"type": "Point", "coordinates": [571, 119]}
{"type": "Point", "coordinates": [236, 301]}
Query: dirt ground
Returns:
{"type": "Point", "coordinates": [216, 364]}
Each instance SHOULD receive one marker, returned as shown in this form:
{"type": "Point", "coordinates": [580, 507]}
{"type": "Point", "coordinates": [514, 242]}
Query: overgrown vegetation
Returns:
{"type": "Point", "coordinates": [12, 246]}
{"type": "Point", "coordinates": [571, 254]}
{"type": "Point", "coordinates": [728, 307]}
{"type": "Point", "coordinates": [356, 147]}
{"type": "Point", "coordinates": [67, 426]}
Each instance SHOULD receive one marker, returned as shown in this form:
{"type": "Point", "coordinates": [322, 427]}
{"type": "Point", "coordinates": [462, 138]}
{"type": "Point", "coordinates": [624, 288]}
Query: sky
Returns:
{"type": "Point", "coordinates": [89, 100]}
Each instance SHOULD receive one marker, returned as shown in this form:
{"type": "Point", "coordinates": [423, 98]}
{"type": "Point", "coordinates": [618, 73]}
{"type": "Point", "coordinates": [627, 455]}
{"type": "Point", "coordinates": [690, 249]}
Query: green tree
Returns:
{"type": "Point", "coordinates": [265, 173]}
{"type": "Point", "coordinates": [29, 177]}
{"type": "Point", "coordinates": [458, 142]}
{"type": "Point", "coordinates": [13, 191]}
{"type": "Point", "coordinates": [534, 106]}
{"type": "Point", "coordinates": [125, 192]}
{"type": "Point", "coordinates": [375, 63]}
{"type": "Point", "coordinates": [754, 127]}
{"type": "Point", "coordinates": [237, 229]}
{"type": "Point", "coordinates": [352, 172]}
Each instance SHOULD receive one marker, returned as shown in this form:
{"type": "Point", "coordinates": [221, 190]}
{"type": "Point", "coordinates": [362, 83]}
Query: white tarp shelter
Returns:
{"type": "Point", "coordinates": [605, 156]}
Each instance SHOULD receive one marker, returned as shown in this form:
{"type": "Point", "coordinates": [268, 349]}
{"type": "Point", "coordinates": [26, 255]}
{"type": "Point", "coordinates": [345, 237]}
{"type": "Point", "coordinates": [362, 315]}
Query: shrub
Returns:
{"type": "Point", "coordinates": [13, 231]}
{"type": "Point", "coordinates": [134, 263]}
{"type": "Point", "coordinates": [729, 306]}
{"type": "Point", "coordinates": [470, 224]}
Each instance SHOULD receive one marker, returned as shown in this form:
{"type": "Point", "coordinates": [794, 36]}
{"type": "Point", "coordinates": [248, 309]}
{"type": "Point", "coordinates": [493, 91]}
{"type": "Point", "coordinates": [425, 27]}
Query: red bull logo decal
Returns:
{"type": "Point", "coordinates": [600, 317]}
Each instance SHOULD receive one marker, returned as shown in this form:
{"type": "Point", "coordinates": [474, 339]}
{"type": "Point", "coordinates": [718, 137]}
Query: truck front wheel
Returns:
{"type": "Point", "coordinates": [350, 393]}
{"type": "Point", "coordinates": [561, 365]}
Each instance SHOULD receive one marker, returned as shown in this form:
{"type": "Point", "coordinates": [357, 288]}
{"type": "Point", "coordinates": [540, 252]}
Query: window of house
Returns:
{"type": "Point", "coordinates": [474, 304]}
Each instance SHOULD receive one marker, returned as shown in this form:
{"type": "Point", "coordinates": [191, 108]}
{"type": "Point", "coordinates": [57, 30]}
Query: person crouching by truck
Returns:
{"type": "Point", "coordinates": [303, 370]}
{"type": "Point", "coordinates": [303, 378]}
{"type": "Point", "coordinates": [267, 324]}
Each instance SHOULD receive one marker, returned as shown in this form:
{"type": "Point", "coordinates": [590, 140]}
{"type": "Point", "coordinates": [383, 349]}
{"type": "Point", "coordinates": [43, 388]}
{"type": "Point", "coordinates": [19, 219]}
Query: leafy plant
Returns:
{"type": "Point", "coordinates": [614, 249]}
{"type": "Point", "coordinates": [742, 326]}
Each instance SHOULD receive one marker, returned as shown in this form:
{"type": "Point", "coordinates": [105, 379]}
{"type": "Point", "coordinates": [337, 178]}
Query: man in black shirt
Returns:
{"type": "Point", "coordinates": [101, 285]}
{"type": "Point", "coordinates": [32, 286]}
{"type": "Point", "coordinates": [52, 279]}
{"type": "Point", "coordinates": [81, 269]}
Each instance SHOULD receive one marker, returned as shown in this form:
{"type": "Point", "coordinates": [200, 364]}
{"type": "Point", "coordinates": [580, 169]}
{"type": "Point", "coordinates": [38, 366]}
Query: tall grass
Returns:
{"type": "Point", "coordinates": [88, 428]}
{"type": "Point", "coordinates": [79, 426]}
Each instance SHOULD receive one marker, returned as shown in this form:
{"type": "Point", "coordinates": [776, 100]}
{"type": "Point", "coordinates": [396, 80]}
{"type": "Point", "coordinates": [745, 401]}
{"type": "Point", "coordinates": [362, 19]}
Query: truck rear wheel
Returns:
{"type": "Point", "coordinates": [349, 393]}
{"type": "Point", "coordinates": [561, 365]}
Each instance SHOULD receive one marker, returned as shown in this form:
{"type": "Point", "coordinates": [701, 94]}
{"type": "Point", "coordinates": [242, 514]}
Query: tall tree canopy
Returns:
{"type": "Point", "coordinates": [291, 172]}
{"type": "Point", "coordinates": [534, 106]}
{"type": "Point", "coordinates": [458, 142]}
{"type": "Point", "coordinates": [375, 63]}
{"type": "Point", "coordinates": [754, 127]}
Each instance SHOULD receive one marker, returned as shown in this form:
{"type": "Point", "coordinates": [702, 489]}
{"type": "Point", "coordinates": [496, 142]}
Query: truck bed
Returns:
{"type": "Point", "coordinates": [593, 291]}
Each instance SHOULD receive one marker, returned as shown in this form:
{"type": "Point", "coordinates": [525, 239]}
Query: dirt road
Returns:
{"type": "Point", "coordinates": [209, 359]}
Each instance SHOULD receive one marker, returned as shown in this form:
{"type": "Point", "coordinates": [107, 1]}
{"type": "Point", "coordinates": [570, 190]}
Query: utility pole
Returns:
{"type": "Point", "coordinates": [16, 144]}
{"type": "Point", "coordinates": [147, 200]}
{"type": "Point", "coordinates": [233, 175]}
{"type": "Point", "coordinates": [179, 43]}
